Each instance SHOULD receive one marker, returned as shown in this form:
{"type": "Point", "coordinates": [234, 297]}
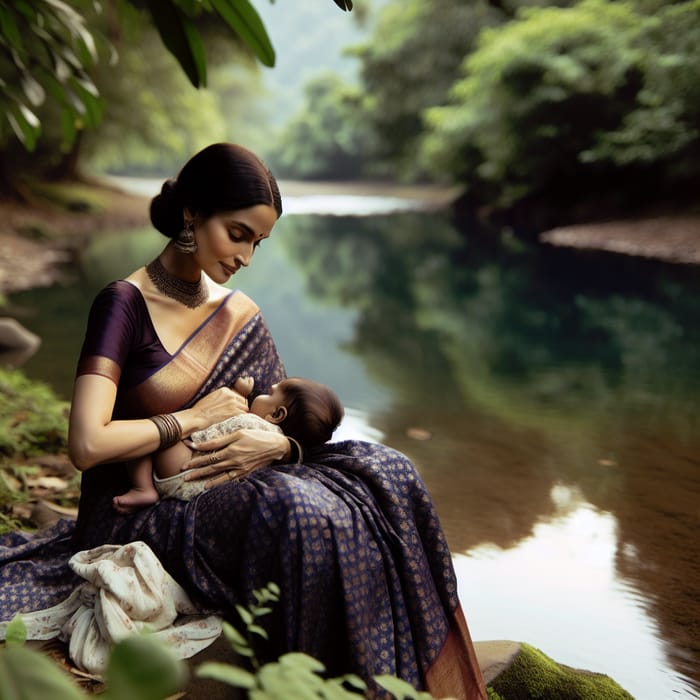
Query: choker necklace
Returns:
{"type": "Point", "coordinates": [191, 294]}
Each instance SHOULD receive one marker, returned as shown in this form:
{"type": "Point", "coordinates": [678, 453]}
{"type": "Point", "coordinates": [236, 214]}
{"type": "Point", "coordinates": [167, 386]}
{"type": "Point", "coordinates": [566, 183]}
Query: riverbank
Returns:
{"type": "Point", "coordinates": [37, 237]}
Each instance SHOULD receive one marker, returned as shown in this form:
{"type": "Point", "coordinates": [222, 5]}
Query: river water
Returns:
{"type": "Point", "coordinates": [549, 399]}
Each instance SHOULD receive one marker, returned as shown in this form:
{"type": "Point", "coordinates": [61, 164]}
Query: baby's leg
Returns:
{"type": "Point", "coordinates": [142, 492]}
{"type": "Point", "coordinates": [168, 462]}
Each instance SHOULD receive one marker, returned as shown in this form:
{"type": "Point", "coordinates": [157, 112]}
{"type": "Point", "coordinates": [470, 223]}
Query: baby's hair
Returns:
{"type": "Point", "coordinates": [313, 411]}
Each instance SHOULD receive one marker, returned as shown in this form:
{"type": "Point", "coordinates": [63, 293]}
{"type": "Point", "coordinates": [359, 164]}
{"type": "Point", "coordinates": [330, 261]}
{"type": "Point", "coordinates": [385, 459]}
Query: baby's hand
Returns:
{"type": "Point", "coordinates": [244, 385]}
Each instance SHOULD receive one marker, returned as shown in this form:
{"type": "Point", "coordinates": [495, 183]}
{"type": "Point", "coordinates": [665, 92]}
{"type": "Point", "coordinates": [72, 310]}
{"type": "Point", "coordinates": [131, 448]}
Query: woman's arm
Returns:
{"type": "Point", "coordinates": [94, 438]}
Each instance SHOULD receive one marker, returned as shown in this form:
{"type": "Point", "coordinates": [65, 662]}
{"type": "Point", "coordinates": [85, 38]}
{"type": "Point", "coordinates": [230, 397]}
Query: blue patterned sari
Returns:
{"type": "Point", "coordinates": [350, 536]}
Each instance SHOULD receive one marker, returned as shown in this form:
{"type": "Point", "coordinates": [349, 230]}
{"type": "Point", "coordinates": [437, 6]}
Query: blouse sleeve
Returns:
{"type": "Point", "coordinates": [111, 329]}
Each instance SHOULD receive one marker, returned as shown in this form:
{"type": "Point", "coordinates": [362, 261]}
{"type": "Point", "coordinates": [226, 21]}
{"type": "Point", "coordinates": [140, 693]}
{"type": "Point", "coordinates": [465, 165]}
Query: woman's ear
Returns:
{"type": "Point", "coordinates": [278, 415]}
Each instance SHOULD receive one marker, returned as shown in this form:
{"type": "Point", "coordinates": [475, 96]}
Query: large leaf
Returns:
{"type": "Point", "coordinates": [28, 675]}
{"type": "Point", "coordinates": [181, 38]}
{"type": "Point", "coordinates": [242, 17]}
{"type": "Point", "coordinates": [142, 668]}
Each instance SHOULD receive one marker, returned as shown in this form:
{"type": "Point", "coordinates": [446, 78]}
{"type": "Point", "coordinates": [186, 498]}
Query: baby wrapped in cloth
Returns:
{"type": "Point", "coordinates": [176, 486]}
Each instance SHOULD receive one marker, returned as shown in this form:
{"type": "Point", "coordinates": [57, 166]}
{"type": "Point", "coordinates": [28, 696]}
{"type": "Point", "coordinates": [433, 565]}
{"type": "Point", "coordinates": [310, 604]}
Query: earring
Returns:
{"type": "Point", "coordinates": [184, 241]}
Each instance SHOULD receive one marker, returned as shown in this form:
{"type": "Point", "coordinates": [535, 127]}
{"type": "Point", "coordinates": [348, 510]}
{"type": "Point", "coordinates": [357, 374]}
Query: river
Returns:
{"type": "Point", "coordinates": [549, 399]}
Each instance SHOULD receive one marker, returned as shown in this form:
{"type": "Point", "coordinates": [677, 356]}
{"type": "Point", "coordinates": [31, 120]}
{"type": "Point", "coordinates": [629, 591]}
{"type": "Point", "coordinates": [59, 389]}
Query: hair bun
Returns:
{"type": "Point", "coordinates": [166, 210]}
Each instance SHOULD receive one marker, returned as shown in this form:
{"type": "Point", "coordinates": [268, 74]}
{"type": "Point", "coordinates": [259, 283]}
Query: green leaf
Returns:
{"type": "Point", "coordinates": [16, 632]}
{"type": "Point", "coordinates": [298, 659]}
{"type": "Point", "coordinates": [33, 90]}
{"type": "Point", "coordinates": [232, 675]}
{"type": "Point", "coordinates": [245, 614]}
{"type": "Point", "coordinates": [242, 17]}
{"type": "Point", "coordinates": [233, 635]}
{"type": "Point", "coordinates": [177, 32]}
{"type": "Point", "coordinates": [400, 688]}
{"type": "Point", "coordinates": [9, 29]}
{"type": "Point", "coordinates": [25, 125]}
{"type": "Point", "coordinates": [142, 668]}
{"type": "Point", "coordinates": [256, 629]}
{"type": "Point", "coordinates": [28, 675]}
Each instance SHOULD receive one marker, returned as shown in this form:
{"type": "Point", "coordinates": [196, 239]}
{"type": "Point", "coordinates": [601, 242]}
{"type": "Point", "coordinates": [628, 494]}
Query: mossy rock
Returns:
{"type": "Point", "coordinates": [71, 196]}
{"type": "Point", "coordinates": [531, 675]}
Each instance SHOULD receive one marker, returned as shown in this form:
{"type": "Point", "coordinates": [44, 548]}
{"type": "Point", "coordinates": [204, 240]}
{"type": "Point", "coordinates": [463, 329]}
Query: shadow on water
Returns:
{"type": "Point", "coordinates": [549, 399]}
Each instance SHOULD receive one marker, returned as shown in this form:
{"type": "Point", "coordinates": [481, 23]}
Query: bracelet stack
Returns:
{"type": "Point", "coordinates": [169, 429]}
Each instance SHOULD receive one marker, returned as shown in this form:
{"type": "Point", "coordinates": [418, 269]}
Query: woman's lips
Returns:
{"type": "Point", "coordinates": [230, 270]}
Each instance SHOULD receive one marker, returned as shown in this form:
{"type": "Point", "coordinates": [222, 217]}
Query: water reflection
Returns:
{"type": "Point", "coordinates": [567, 588]}
{"type": "Point", "coordinates": [555, 398]}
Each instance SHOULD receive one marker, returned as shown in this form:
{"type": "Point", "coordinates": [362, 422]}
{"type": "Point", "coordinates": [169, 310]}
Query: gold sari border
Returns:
{"type": "Point", "coordinates": [97, 364]}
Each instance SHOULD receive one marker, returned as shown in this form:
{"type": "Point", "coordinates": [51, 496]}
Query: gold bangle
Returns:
{"type": "Point", "coordinates": [169, 429]}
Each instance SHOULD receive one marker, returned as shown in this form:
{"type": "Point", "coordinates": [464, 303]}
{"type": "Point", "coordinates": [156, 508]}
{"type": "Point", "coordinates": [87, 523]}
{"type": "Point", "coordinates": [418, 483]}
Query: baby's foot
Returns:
{"type": "Point", "coordinates": [134, 499]}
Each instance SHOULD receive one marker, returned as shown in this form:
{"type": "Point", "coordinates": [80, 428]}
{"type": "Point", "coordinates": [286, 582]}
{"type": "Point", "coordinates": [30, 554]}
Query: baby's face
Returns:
{"type": "Point", "coordinates": [265, 405]}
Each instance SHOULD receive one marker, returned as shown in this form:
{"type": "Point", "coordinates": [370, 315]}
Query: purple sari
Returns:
{"type": "Point", "coordinates": [350, 536]}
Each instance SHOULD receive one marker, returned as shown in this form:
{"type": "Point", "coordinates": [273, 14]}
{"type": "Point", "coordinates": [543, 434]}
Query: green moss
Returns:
{"type": "Point", "coordinates": [33, 420]}
{"type": "Point", "coordinates": [534, 676]}
{"type": "Point", "coordinates": [71, 196]}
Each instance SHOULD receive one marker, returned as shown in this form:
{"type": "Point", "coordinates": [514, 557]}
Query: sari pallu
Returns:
{"type": "Point", "coordinates": [350, 536]}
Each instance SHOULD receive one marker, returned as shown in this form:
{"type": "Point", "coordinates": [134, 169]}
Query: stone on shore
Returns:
{"type": "Point", "coordinates": [518, 671]}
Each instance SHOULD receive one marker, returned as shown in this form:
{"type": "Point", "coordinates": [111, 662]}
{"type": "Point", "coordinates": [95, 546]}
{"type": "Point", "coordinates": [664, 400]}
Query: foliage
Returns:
{"type": "Point", "coordinates": [408, 65]}
{"type": "Point", "coordinates": [46, 48]}
{"type": "Point", "coordinates": [32, 419]}
{"type": "Point", "coordinates": [139, 668]}
{"type": "Point", "coordinates": [143, 668]}
{"type": "Point", "coordinates": [327, 139]}
{"type": "Point", "coordinates": [558, 100]}
{"type": "Point", "coordinates": [154, 118]}
{"type": "Point", "coordinates": [51, 47]}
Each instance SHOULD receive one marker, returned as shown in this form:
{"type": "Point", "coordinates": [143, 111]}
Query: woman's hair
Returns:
{"type": "Point", "coordinates": [313, 411]}
{"type": "Point", "coordinates": [221, 177]}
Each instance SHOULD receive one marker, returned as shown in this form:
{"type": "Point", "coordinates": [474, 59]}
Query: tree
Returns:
{"type": "Point", "coordinates": [48, 47]}
{"type": "Point", "coordinates": [594, 99]}
{"type": "Point", "coordinates": [327, 139]}
{"type": "Point", "coordinates": [409, 64]}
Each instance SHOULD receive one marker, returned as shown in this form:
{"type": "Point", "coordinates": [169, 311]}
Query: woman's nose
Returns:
{"type": "Point", "coordinates": [244, 257]}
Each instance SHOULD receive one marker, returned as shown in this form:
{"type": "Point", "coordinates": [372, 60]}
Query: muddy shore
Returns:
{"type": "Point", "coordinates": [36, 238]}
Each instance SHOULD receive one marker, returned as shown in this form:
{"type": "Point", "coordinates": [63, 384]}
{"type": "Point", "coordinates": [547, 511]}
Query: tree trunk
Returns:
{"type": "Point", "coordinates": [68, 167]}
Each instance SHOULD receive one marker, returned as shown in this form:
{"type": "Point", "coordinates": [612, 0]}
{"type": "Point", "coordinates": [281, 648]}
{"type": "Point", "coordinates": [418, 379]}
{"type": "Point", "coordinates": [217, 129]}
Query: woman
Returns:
{"type": "Point", "coordinates": [346, 530]}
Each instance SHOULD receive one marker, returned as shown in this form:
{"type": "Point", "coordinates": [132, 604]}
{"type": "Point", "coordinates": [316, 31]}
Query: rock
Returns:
{"type": "Point", "coordinates": [518, 671]}
{"type": "Point", "coordinates": [17, 344]}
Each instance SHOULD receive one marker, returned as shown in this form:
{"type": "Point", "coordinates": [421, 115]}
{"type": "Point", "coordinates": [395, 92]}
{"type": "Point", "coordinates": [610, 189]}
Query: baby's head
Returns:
{"type": "Point", "coordinates": [304, 409]}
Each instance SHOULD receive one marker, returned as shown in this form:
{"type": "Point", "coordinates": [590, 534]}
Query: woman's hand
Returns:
{"type": "Point", "coordinates": [233, 456]}
{"type": "Point", "coordinates": [218, 406]}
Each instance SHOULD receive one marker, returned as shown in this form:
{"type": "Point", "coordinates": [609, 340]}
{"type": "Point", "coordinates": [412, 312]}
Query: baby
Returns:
{"type": "Point", "coordinates": [302, 409]}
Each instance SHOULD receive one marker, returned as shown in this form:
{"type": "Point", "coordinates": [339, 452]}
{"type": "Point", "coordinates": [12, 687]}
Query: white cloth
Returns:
{"type": "Point", "coordinates": [126, 591]}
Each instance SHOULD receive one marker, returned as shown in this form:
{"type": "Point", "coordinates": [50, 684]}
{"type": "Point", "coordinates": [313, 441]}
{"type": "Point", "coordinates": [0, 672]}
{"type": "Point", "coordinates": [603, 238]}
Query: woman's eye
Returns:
{"type": "Point", "coordinates": [235, 234]}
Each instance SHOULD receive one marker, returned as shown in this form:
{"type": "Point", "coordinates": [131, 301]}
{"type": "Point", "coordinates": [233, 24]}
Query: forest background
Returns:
{"type": "Point", "coordinates": [542, 113]}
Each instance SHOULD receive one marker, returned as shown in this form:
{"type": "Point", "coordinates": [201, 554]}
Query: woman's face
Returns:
{"type": "Point", "coordinates": [226, 241]}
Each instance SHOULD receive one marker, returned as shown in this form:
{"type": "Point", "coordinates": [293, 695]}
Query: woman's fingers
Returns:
{"type": "Point", "coordinates": [221, 479]}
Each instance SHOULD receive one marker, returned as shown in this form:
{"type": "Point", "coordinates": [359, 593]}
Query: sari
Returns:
{"type": "Point", "coordinates": [350, 535]}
